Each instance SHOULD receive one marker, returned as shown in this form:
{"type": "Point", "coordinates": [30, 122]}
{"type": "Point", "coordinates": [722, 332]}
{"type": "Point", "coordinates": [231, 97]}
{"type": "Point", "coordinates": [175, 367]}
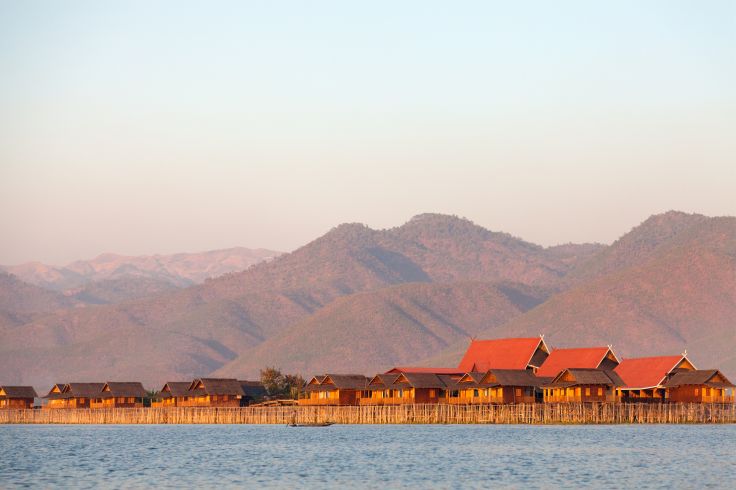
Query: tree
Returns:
{"type": "Point", "coordinates": [279, 384]}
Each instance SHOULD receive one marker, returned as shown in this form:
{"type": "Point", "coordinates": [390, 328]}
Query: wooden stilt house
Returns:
{"type": "Point", "coordinates": [54, 397]}
{"type": "Point", "coordinates": [115, 394]}
{"type": "Point", "coordinates": [79, 395]}
{"type": "Point", "coordinates": [644, 376]}
{"type": "Point", "coordinates": [213, 392]}
{"type": "Point", "coordinates": [334, 389]}
{"type": "Point", "coordinates": [172, 394]}
{"type": "Point", "coordinates": [17, 397]}
{"type": "Point", "coordinates": [498, 386]}
{"type": "Point", "coordinates": [410, 388]}
{"type": "Point", "coordinates": [378, 390]}
{"type": "Point", "coordinates": [698, 386]}
{"type": "Point", "coordinates": [584, 385]}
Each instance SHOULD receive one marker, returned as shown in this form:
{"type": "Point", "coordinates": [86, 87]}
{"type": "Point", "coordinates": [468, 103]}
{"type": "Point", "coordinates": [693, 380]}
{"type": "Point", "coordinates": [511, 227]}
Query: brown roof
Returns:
{"type": "Point", "coordinates": [19, 391]}
{"type": "Point", "coordinates": [516, 377]}
{"type": "Point", "coordinates": [697, 377]}
{"type": "Point", "coordinates": [345, 381]}
{"type": "Point", "coordinates": [584, 376]}
{"type": "Point", "coordinates": [381, 381]}
{"type": "Point", "coordinates": [419, 380]}
{"type": "Point", "coordinates": [216, 386]}
{"type": "Point", "coordinates": [83, 390]}
{"type": "Point", "coordinates": [114, 389]}
{"type": "Point", "coordinates": [253, 389]}
{"type": "Point", "coordinates": [174, 389]}
{"type": "Point", "coordinates": [512, 353]}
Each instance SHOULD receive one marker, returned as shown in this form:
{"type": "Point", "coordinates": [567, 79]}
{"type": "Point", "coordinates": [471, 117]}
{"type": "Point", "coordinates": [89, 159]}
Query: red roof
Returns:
{"type": "Point", "coordinates": [483, 355]}
{"type": "Point", "coordinates": [646, 372]}
{"type": "Point", "coordinates": [561, 359]}
{"type": "Point", "coordinates": [433, 370]}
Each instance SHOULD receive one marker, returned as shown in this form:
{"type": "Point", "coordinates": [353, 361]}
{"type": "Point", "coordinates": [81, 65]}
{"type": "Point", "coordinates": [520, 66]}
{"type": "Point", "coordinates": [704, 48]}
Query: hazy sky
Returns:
{"type": "Point", "coordinates": [159, 127]}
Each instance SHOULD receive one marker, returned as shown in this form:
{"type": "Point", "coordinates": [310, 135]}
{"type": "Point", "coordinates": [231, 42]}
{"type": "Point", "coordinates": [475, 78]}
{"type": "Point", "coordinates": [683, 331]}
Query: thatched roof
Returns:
{"type": "Point", "coordinates": [419, 380]}
{"type": "Point", "coordinates": [18, 392]}
{"type": "Point", "coordinates": [83, 390]}
{"type": "Point", "coordinates": [583, 376]}
{"type": "Point", "coordinates": [127, 389]}
{"type": "Point", "coordinates": [708, 377]}
{"type": "Point", "coordinates": [253, 389]}
{"type": "Point", "coordinates": [174, 389]}
{"type": "Point", "coordinates": [216, 386]}
{"type": "Point", "coordinates": [516, 377]}
{"type": "Point", "coordinates": [382, 381]}
{"type": "Point", "coordinates": [345, 381]}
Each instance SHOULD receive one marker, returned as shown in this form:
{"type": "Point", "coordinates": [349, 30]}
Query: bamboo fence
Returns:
{"type": "Point", "coordinates": [558, 413]}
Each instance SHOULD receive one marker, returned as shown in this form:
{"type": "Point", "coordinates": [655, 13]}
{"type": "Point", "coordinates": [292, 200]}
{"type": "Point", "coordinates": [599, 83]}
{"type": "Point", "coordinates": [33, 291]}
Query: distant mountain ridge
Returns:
{"type": "Point", "coordinates": [179, 270]}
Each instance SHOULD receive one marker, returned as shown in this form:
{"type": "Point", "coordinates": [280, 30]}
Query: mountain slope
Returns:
{"type": "Point", "coordinates": [378, 329]}
{"type": "Point", "coordinates": [20, 301]}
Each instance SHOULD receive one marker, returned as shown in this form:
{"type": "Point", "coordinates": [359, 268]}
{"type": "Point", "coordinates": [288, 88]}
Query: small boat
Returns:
{"type": "Point", "coordinates": [312, 424]}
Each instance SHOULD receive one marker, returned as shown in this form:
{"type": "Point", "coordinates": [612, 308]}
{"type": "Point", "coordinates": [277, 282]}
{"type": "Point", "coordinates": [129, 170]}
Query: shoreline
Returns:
{"type": "Point", "coordinates": [525, 414]}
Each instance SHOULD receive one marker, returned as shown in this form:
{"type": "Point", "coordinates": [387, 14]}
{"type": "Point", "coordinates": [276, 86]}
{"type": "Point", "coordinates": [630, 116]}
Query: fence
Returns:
{"type": "Point", "coordinates": [561, 413]}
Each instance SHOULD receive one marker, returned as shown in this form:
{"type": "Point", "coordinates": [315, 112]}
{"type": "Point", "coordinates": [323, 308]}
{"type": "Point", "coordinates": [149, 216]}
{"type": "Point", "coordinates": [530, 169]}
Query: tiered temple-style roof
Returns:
{"type": "Point", "coordinates": [581, 357]}
{"type": "Point", "coordinates": [514, 353]}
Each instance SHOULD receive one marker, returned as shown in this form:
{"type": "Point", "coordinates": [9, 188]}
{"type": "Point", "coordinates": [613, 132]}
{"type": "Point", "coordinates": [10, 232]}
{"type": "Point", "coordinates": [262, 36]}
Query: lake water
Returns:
{"type": "Point", "coordinates": [403, 456]}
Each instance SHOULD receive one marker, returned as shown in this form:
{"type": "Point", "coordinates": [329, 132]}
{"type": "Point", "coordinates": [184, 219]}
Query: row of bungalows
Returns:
{"type": "Point", "coordinates": [112, 394]}
{"type": "Point", "coordinates": [525, 370]}
{"type": "Point", "coordinates": [209, 392]}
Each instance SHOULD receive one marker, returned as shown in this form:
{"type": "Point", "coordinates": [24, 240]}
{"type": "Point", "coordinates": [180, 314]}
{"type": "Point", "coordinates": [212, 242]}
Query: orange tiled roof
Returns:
{"type": "Point", "coordinates": [646, 372]}
{"type": "Point", "coordinates": [483, 355]}
{"type": "Point", "coordinates": [561, 359]}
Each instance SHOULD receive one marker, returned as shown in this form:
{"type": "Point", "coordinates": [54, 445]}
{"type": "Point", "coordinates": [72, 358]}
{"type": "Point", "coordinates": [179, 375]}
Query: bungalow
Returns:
{"type": "Point", "coordinates": [213, 392]}
{"type": "Point", "coordinates": [511, 353]}
{"type": "Point", "coordinates": [583, 357]}
{"type": "Point", "coordinates": [172, 394]}
{"type": "Point", "coordinates": [698, 386]}
{"type": "Point", "coordinates": [644, 376]}
{"type": "Point", "coordinates": [410, 388]}
{"type": "Point", "coordinates": [583, 385]}
{"type": "Point", "coordinates": [119, 395]}
{"type": "Point", "coordinates": [497, 386]}
{"type": "Point", "coordinates": [334, 389]}
{"type": "Point", "coordinates": [54, 397]}
{"type": "Point", "coordinates": [76, 395]}
{"type": "Point", "coordinates": [16, 396]}
{"type": "Point", "coordinates": [378, 389]}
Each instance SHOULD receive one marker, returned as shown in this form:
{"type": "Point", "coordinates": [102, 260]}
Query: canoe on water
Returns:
{"type": "Point", "coordinates": [316, 424]}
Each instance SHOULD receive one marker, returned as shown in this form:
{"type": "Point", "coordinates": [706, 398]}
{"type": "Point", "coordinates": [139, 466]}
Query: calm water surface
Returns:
{"type": "Point", "coordinates": [368, 456]}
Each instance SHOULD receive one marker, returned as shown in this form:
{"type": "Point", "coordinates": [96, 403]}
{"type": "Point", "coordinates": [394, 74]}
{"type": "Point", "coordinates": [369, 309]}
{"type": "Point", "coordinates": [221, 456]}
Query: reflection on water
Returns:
{"type": "Point", "coordinates": [368, 456]}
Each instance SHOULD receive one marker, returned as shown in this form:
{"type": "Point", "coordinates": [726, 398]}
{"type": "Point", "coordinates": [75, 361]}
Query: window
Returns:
{"type": "Point", "coordinates": [587, 391]}
{"type": "Point", "coordinates": [454, 394]}
{"type": "Point", "coordinates": [518, 392]}
{"type": "Point", "coordinates": [600, 391]}
{"type": "Point", "coordinates": [475, 393]}
{"type": "Point", "coordinates": [400, 393]}
{"type": "Point", "coordinates": [432, 393]}
{"type": "Point", "coordinates": [696, 392]}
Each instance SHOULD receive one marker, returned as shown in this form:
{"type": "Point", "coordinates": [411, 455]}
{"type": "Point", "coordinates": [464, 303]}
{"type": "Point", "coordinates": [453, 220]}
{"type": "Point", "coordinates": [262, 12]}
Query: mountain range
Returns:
{"type": "Point", "coordinates": [362, 300]}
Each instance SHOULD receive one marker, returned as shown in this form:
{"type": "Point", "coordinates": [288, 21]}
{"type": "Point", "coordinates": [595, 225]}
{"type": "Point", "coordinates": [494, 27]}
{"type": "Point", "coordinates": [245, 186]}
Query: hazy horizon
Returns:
{"type": "Point", "coordinates": [141, 128]}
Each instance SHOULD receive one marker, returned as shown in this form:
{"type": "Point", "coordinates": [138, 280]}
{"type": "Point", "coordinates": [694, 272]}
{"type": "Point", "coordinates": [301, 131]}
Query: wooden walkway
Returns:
{"type": "Point", "coordinates": [562, 413]}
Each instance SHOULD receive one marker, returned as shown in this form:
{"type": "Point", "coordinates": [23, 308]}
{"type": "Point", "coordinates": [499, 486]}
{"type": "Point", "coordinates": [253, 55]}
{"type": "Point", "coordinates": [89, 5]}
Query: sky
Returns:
{"type": "Point", "coordinates": [159, 127]}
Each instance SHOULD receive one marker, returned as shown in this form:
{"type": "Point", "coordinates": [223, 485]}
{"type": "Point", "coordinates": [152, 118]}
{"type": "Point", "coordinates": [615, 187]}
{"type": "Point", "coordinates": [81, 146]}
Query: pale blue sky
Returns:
{"type": "Point", "coordinates": [159, 127]}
